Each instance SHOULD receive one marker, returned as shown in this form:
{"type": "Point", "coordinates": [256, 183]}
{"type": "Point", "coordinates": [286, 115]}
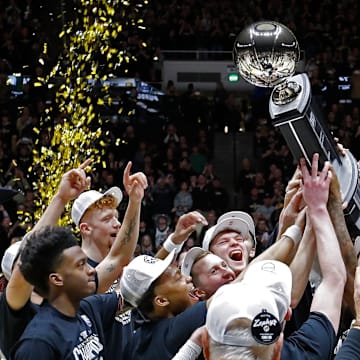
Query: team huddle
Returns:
{"type": "Point", "coordinates": [93, 299]}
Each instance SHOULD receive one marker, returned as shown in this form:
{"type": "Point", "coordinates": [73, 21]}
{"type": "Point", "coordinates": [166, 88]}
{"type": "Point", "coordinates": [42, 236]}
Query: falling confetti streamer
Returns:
{"type": "Point", "coordinates": [95, 44]}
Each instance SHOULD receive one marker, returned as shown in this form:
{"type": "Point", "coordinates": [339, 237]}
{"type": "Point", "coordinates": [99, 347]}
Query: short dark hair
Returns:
{"type": "Point", "coordinates": [42, 254]}
{"type": "Point", "coordinates": [146, 304]}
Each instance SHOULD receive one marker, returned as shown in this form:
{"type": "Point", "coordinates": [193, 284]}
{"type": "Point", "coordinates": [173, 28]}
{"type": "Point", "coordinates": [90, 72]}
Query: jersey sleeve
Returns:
{"type": "Point", "coordinates": [350, 347]}
{"type": "Point", "coordinates": [182, 326]}
{"type": "Point", "coordinates": [13, 323]}
{"type": "Point", "coordinates": [102, 307]}
{"type": "Point", "coordinates": [34, 350]}
{"type": "Point", "coordinates": [316, 339]}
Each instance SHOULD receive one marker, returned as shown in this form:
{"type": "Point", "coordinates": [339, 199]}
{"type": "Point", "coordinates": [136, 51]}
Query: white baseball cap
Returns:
{"type": "Point", "coordinates": [262, 297]}
{"type": "Point", "coordinates": [138, 276]}
{"type": "Point", "coordinates": [230, 223]}
{"type": "Point", "coordinates": [250, 302]}
{"type": "Point", "coordinates": [189, 259]}
{"type": "Point", "coordinates": [9, 258]}
{"type": "Point", "coordinates": [87, 198]}
{"type": "Point", "coordinates": [243, 216]}
{"type": "Point", "coordinates": [272, 274]}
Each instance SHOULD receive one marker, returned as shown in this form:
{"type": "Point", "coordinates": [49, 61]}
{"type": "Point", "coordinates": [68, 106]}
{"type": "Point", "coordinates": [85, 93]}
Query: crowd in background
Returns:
{"type": "Point", "coordinates": [177, 154]}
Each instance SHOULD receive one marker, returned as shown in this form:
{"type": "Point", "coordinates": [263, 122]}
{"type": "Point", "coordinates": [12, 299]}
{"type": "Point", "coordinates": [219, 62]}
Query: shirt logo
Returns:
{"type": "Point", "coordinates": [150, 259]}
{"type": "Point", "coordinates": [124, 318]}
{"type": "Point", "coordinates": [89, 349]}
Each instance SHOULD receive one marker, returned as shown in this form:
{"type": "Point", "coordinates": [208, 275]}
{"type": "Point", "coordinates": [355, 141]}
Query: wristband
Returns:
{"type": "Point", "coordinates": [294, 233]}
{"type": "Point", "coordinates": [189, 351]}
{"type": "Point", "coordinates": [355, 324]}
{"type": "Point", "coordinates": [169, 245]}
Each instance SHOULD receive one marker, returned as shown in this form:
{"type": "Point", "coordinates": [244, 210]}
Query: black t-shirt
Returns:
{"type": "Point", "coordinates": [13, 323]}
{"type": "Point", "coordinates": [135, 337]}
{"type": "Point", "coordinates": [350, 347]}
{"type": "Point", "coordinates": [315, 340]}
{"type": "Point", "coordinates": [53, 335]}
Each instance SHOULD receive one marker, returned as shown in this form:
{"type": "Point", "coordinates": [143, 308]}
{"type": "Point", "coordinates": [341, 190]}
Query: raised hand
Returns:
{"type": "Point", "coordinates": [290, 212]}
{"type": "Point", "coordinates": [74, 182]}
{"type": "Point", "coordinates": [187, 224]}
{"type": "Point", "coordinates": [316, 184]}
{"type": "Point", "coordinates": [134, 184]}
{"type": "Point", "coordinates": [293, 186]}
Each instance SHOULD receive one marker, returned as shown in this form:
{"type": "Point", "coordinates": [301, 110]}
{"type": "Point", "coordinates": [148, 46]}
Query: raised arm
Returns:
{"type": "Point", "coordinates": [291, 208]}
{"type": "Point", "coordinates": [335, 209]}
{"type": "Point", "coordinates": [302, 263]}
{"type": "Point", "coordinates": [72, 184]}
{"type": "Point", "coordinates": [123, 248]}
{"type": "Point", "coordinates": [328, 296]}
{"type": "Point", "coordinates": [186, 225]}
{"type": "Point", "coordinates": [284, 249]}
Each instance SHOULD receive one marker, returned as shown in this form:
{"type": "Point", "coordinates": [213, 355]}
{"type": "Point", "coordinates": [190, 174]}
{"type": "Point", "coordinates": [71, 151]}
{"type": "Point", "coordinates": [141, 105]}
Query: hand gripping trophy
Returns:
{"type": "Point", "coordinates": [265, 54]}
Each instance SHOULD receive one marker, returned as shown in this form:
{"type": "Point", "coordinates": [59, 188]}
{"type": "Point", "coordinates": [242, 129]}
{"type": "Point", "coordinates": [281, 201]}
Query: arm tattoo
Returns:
{"type": "Point", "coordinates": [110, 268]}
{"type": "Point", "coordinates": [128, 232]}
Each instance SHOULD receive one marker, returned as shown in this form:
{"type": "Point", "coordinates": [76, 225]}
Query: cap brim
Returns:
{"type": "Point", "coordinates": [240, 215]}
{"type": "Point", "coordinates": [164, 265]}
{"type": "Point", "coordinates": [10, 256]}
{"type": "Point", "coordinates": [243, 216]}
{"type": "Point", "coordinates": [6, 194]}
{"type": "Point", "coordinates": [189, 259]}
{"type": "Point", "coordinates": [231, 224]}
{"type": "Point", "coordinates": [116, 193]}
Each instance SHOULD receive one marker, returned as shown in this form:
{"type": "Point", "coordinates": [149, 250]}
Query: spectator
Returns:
{"type": "Point", "coordinates": [267, 208]}
{"type": "Point", "coordinates": [262, 230]}
{"type": "Point", "coordinates": [162, 229]}
{"type": "Point", "coordinates": [171, 135]}
{"type": "Point", "coordinates": [197, 160]}
{"type": "Point", "coordinates": [253, 201]}
{"type": "Point", "coordinates": [162, 196]}
{"type": "Point", "coordinates": [19, 183]}
{"type": "Point", "coordinates": [183, 200]}
{"type": "Point", "coordinates": [201, 194]}
{"type": "Point", "coordinates": [5, 90]}
{"type": "Point", "coordinates": [220, 95]}
{"type": "Point", "coordinates": [146, 245]}
{"type": "Point", "coordinates": [219, 197]}
{"type": "Point", "coordinates": [246, 176]}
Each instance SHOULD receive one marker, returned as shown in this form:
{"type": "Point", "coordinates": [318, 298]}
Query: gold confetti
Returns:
{"type": "Point", "coordinates": [90, 55]}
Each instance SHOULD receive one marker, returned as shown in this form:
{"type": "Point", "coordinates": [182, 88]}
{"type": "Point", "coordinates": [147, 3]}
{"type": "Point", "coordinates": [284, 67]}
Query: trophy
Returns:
{"type": "Point", "coordinates": [265, 54]}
